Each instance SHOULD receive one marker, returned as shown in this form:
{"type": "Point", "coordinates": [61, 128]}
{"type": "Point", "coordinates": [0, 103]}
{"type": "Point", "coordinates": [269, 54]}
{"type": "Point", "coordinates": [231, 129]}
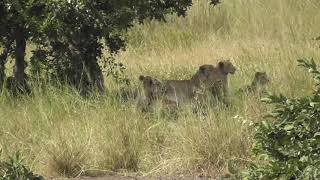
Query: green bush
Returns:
{"type": "Point", "coordinates": [288, 145]}
{"type": "Point", "coordinates": [14, 169]}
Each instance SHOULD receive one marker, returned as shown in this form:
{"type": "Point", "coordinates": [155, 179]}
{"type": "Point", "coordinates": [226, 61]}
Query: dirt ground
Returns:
{"type": "Point", "coordinates": [144, 178]}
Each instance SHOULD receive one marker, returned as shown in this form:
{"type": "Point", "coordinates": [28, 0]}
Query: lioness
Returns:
{"type": "Point", "coordinates": [221, 90]}
{"type": "Point", "coordinates": [178, 92]}
{"type": "Point", "coordinates": [182, 91]}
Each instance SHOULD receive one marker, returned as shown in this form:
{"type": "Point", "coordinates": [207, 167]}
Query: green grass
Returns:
{"type": "Point", "coordinates": [62, 134]}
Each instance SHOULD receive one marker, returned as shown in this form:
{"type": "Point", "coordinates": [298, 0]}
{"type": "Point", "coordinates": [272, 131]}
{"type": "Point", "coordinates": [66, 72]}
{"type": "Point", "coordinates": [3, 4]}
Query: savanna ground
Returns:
{"type": "Point", "coordinates": [62, 134]}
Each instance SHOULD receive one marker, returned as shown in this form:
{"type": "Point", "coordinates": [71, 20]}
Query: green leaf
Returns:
{"type": "Point", "coordinates": [313, 104]}
{"type": "Point", "coordinates": [316, 134]}
{"type": "Point", "coordinates": [266, 100]}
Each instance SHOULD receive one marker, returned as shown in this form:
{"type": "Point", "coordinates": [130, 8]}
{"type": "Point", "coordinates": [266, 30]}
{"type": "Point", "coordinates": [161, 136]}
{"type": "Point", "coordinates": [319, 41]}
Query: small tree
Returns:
{"type": "Point", "coordinates": [19, 23]}
{"type": "Point", "coordinates": [290, 144]}
{"type": "Point", "coordinates": [70, 35]}
{"type": "Point", "coordinates": [76, 31]}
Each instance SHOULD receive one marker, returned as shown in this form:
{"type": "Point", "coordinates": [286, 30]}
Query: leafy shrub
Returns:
{"type": "Point", "coordinates": [116, 70]}
{"type": "Point", "coordinates": [289, 145]}
{"type": "Point", "coordinates": [14, 169]}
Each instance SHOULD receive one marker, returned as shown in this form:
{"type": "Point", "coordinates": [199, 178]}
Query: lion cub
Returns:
{"type": "Point", "coordinates": [153, 90]}
{"type": "Point", "coordinates": [258, 84]}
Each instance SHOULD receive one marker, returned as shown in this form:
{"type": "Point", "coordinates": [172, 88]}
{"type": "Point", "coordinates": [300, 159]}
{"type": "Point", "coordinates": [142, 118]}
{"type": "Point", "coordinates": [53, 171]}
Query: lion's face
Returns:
{"type": "Point", "coordinates": [226, 67]}
{"type": "Point", "coordinates": [261, 78]}
{"type": "Point", "coordinates": [152, 87]}
{"type": "Point", "coordinates": [209, 75]}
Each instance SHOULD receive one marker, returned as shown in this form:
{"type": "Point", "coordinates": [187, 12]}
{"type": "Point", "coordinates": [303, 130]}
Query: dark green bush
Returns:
{"type": "Point", "coordinates": [14, 169]}
{"type": "Point", "coordinates": [288, 145]}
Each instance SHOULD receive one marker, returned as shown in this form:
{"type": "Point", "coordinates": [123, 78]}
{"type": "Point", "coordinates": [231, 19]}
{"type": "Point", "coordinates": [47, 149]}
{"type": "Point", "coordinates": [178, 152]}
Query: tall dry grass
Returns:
{"type": "Point", "coordinates": [62, 134]}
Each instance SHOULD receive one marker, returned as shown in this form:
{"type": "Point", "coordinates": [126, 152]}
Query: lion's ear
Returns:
{"type": "Point", "coordinates": [202, 69]}
{"type": "Point", "coordinates": [141, 77]}
{"type": "Point", "coordinates": [221, 65]}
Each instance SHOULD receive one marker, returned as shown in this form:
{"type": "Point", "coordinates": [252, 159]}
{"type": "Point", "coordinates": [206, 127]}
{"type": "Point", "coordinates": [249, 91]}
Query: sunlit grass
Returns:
{"type": "Point", "coordinates": [62, 134]}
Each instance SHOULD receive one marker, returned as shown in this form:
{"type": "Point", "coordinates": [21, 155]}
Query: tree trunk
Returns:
{"type": "Point", "coordinates": [19, 66]}
{"type": "Point", "coordinates": [87, 73]}
{"type": "Point", "coordinates": [78, 77]}
{"type": "Point", "coordinates": [19, 75]}
{"type": "Point", "coordinates": [97, 77]}
{"type": "Point", "coordinates": [3, 60]}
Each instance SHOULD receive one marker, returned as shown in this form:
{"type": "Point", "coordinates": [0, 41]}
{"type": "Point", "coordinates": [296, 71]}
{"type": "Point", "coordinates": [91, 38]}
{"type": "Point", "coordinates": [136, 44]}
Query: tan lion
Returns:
{"type": "Point", "coordinates": [221, 90]}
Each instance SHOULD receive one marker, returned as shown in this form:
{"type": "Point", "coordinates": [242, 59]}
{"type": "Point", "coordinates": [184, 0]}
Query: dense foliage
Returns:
{"type": "Point", "coordinates": [289, 145]}
{"type": "Point", "coordinates": [70, 36]}
{"type": "Point", "coordinates": [20, 22]}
